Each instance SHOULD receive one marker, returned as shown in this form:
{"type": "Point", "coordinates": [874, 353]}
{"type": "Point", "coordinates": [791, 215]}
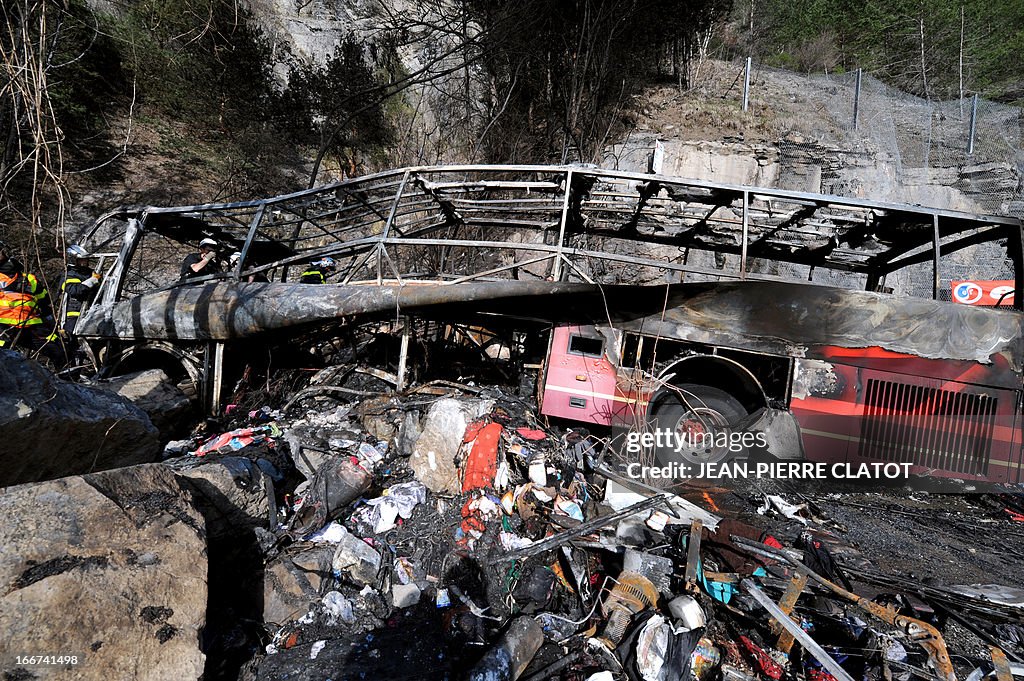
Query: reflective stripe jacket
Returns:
{"type": "Point", "coordinates": [21, 297]}
{"type": "Point", "coordinates": [312, 276]}
{"type": "Point", "coordinates": [77, 290]}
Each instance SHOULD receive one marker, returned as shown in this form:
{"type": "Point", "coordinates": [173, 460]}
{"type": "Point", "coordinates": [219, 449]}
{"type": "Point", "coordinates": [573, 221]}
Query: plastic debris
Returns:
{"type": "Point", "coordinates": [337, 608]}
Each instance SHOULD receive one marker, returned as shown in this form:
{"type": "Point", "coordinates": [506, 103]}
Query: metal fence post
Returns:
{"type": "Point", "coordinates": [746, 86]}
{"type": "Point", "coordinates": [856, 98]}
{"type": "Point", "coordinates": [974, 120]}
{"type": "Point", "coordinates": [746, 235]}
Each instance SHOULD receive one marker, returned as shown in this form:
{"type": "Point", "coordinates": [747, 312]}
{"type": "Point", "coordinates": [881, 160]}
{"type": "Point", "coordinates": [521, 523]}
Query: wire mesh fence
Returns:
{"type": "Point", "coordinates": [956, 153]}
{"type": "Point", "coordinates": [970, 145]}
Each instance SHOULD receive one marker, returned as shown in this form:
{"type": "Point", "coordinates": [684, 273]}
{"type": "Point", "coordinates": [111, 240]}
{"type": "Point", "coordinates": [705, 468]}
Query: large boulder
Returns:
{"type": "Point", "coordinates": [110, 567]}
{"type": "Point", "coordinates": [155, 393]}
{"type": "Point", "coordinates": [293, 582]}
{"type": "Point", "coordinates": [235, 496]}
{"type": "Point", "coordinates": [51, 428]}
{"type": "Point", "coordinates": [232, 493]}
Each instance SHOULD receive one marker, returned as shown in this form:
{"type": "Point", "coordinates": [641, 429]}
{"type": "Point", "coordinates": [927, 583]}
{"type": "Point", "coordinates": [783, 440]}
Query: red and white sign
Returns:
{"type": "Point", "coordinates": [988, 292]}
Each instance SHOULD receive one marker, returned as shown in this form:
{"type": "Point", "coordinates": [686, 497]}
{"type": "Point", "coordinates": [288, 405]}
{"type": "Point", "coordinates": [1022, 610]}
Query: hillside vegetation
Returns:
{"type": "Point", "coordinates": [938, 49]}
{"type": "Point", "coordinates": [170, 101]}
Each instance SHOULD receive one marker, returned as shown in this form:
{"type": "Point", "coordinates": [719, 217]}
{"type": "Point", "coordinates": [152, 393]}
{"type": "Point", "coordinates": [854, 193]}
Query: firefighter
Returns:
{"type": "Point", "coordinates": [203, 262]}
{"type": "Point", "coordinates": [25, 310]}
{"type": "Point", "coordinates": [258, 277]}
{"type": "Point", "coordinates": [318, 271]}
{"type": "Point", "coordinates": [79, 286]}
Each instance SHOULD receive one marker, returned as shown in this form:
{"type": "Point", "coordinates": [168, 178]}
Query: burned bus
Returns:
{"type": "Point", "coordinates": [823, 327]}
{"type": "Point", "coordinates": [928, 377]}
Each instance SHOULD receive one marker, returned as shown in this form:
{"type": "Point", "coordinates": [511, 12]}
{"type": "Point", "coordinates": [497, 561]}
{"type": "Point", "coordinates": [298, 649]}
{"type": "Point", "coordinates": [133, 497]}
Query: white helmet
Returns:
{"type": "Point", "coordinates": [208, 242]}
{"type": "Point", "coordinates": [77, 251]}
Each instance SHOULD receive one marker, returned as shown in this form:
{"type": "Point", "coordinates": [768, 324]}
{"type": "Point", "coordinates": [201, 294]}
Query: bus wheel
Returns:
{"type": "Point", "coordinates": [698, 420]}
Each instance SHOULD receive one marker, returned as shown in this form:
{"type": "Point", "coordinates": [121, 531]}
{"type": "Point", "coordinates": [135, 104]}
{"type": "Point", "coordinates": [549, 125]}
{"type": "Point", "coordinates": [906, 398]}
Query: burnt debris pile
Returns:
{"type": "Point", "coordinates": [447, 532]}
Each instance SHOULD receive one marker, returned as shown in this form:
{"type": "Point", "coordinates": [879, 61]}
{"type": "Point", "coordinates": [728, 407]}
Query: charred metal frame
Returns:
{"type": "Point", "coordinates": [450, 235]}
{"type": "Point", "coordinates": [462, 223]}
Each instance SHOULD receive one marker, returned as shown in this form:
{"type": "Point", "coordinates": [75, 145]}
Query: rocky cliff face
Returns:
{"type": "Point", "coordinates": [798, 134]}
{"type": "Point", "coordinates": [806, 165]}
{"type": "Point", "coordinates": [310, 30]}
{"type": "Point", "coordinates": [795, 136]}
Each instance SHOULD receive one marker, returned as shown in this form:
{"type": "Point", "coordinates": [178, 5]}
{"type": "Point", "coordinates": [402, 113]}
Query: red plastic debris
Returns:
{"type": "Point", "coordinates": [482, 464]}
{"type": "Point", "coordinates": [819, 675]}
{"type": "Point", "coordinates": [531, 433]}
{"type": "Point", "coordinates": [763, 662]}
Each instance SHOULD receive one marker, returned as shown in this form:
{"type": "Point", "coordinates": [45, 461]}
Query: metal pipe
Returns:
{"type": "Point", "coordinates": [927, 636]}
{"type": "Point", "coordinates": [257, 218]}
{"type": "Point", "coordinates": [549, 671]}
{"type": "Point", "coordinates": [809, 644]}
{"type": "Point", "coordinates": [746, 86]}
{"type": "Point", "coordinates": [580, 530]}
{"type": "Point", "coordinates": [403, 355]}
{"type": "Point", "coordinates": [556, 269]}
{"type": "Point", "coordinates": [856, 98]}
{"type": "Point", "coordinates": [218, 378]}
{"type": "Point", "coordinates": [974, 120]}
{"type": "Point", "coordinates": [746, 228]}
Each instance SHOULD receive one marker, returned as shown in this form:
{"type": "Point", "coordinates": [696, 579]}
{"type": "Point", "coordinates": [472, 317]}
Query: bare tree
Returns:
{"type": "Point", "coordinates": [32, 162]}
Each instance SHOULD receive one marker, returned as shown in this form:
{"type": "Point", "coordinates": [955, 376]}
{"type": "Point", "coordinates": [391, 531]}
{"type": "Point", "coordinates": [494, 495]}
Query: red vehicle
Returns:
{"type": "Point", "coordinates": [829, 326]}
{"type": "Point", "coordinates": [867, 376]}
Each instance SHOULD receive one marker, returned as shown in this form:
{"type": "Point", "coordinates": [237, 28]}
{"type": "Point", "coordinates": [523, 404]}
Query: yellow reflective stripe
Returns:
{"type": "Point", "coordinates": [74, 314]}
{"type": "Point", "coordinates": [70, 281]}
{"type": "Point", "coordinates": [18, 303]}
{"type": "Point", "coordinates": [21, 322]}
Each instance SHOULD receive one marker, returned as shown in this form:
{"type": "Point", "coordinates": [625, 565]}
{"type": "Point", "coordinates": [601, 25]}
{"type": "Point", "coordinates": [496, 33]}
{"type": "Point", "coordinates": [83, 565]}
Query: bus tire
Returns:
{"type": "Point", "coordinates": [706, 410]}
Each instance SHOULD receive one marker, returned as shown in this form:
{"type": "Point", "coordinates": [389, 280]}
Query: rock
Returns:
{"type": "Point", "coordinates": [308, 453]}
{"type": "Point", "coordinates": [357, 558]}
{"type": "Point", "coordinates": [405, 595]}
{"type": "Point", "coordinates": [374, 415]}
{"type": "Point", "coordinates": [433, 457]}
{"type": "Point", "coordinates": [408, 433]}
{"type": "Point", "coordinates": [155, 393]}
{"type": "Point", "coordinates": [110, 566]}
{"type": "Point", "coordinates": [292, 583]}
{"type": "Point", "coordinates": [51, 428]}
{"type": "Point", "coordinates": [233, 494]}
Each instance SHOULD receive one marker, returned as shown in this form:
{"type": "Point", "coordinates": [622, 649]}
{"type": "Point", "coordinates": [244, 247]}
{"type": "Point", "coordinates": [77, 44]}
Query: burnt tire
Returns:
{"type": "Point", "coordinates": [703, 416]}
